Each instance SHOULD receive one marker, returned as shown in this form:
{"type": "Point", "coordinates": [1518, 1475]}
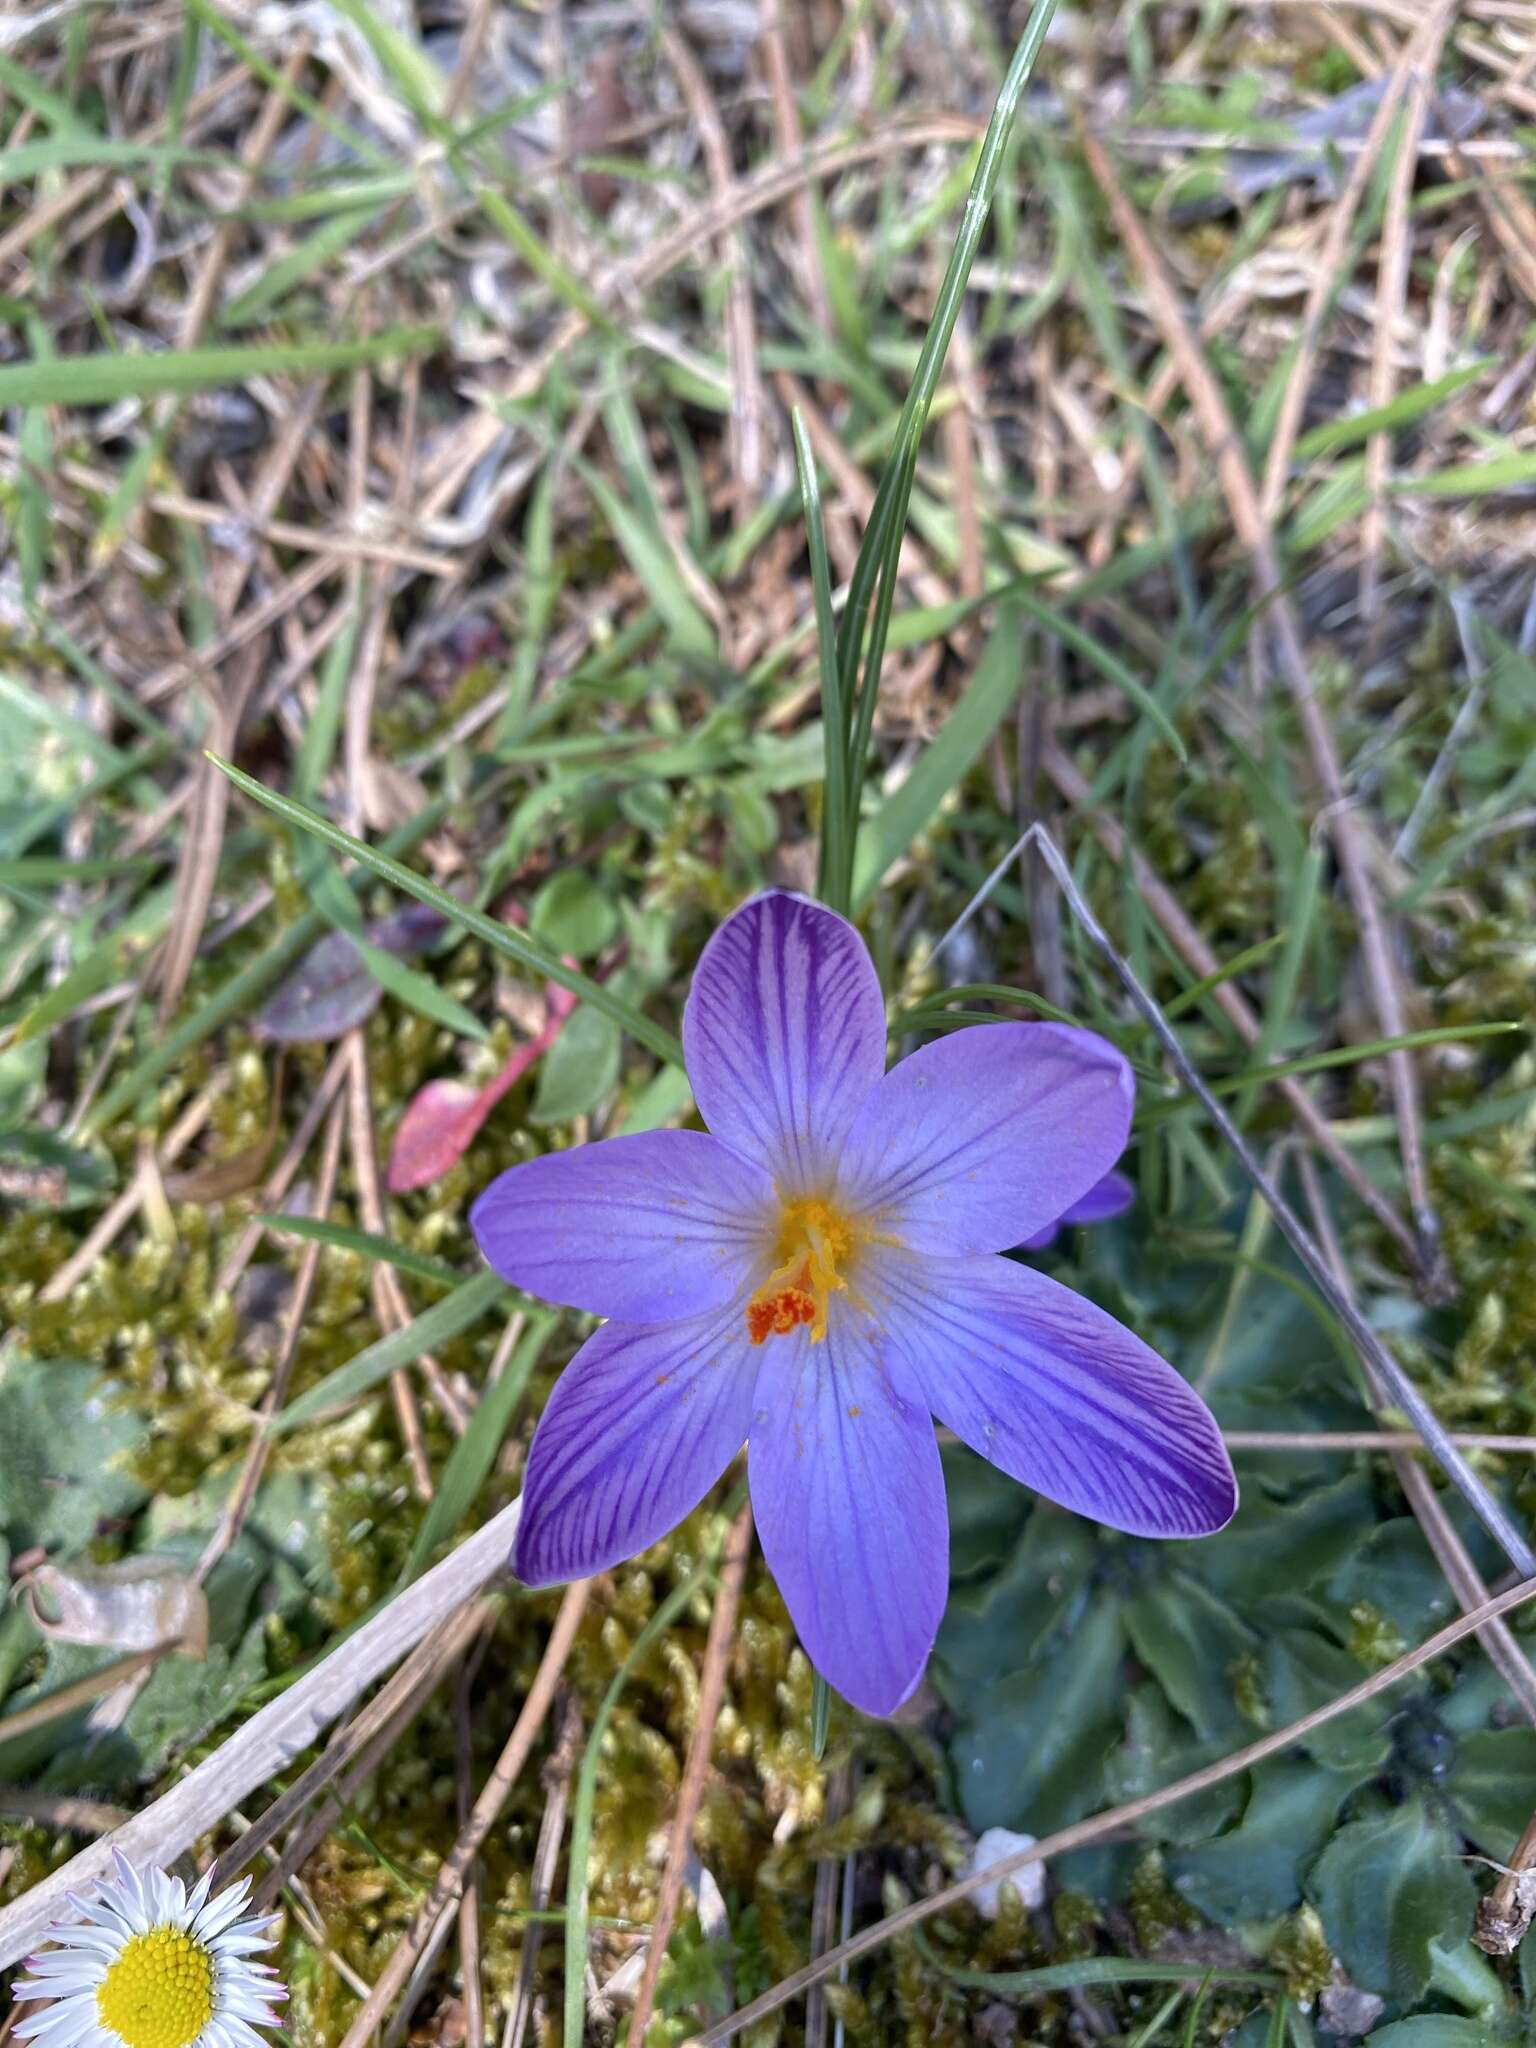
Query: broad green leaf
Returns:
{"type": "Point", "coordinates": [579, 1070]}
{"type": "Point", "coordinates": [1255, 1870]}
{"type": "Point", "coordinates": [1029, 1748]}
{"type": "Point", "coordinates": [67, 1436]}
{"type": "Point", "coordinates": [571, 914]}
{"type": "Point", "coordinates": [1386, 1887]}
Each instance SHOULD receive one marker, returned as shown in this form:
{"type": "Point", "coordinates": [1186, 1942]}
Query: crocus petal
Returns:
{"type": "Point", "coordinates": [784, 1033]}
{"type": "Point", "coordinates": [641, 1424]}
{"type": "Point", "coordinates": [1111, 1196]}
{"type": "Point", "coordinates": [849, 1498]}
{"type": "Point", "coordinates": [981, 1139]}
{"type": "Point", "coordinates": [1056, 1393]}
{"type": "Point", "coordinates": [648, 1229]}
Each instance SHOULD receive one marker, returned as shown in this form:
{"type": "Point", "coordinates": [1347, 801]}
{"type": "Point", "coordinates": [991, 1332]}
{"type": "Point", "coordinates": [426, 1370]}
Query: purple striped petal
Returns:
{"type": "Point", "coordinates": [784, 1033]}
{"type": "Point", "coordinates": [1107, 1198]}
{"type": "Point", "coordinates": [849, 1498]}
{"type": "Point", "coordinates": [641, 1424]}
{"type": "Point", "coordinates": [648, 1229]}
{"type": "Point", "coordinates": [985, 1137]}
{"type": "Point", "coordinates": [1057, 1394]}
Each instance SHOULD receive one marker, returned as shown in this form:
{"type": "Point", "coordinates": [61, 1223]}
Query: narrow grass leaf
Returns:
{"type": "Point", "coordinates": [957, 745]}
{"type": "Point", "coordinates": [435, 1326]}
{"type": "Point", "coordinates": [475, 1452]}
{"type": "Point", "coordinates": [514, 945]}
{"type": "Point", "coordinates": [366, 1243]}
{"type": "Point", "coordinates": [103, 379]}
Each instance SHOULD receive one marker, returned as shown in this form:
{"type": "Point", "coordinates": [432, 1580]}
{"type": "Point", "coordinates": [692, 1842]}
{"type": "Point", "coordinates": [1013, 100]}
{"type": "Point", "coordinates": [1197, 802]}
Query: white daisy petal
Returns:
{"type": "Point", "coordinates": [125, 1973]}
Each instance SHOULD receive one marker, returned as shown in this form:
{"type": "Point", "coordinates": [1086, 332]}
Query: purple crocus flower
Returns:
{"type": "Point", "coordinates": [1111, 1196]}
{"type": "Point", "coordinates": [817, 1275]}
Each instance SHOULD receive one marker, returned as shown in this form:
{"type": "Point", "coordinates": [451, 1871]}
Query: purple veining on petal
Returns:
{"type": "Point", "coordinates": [1057, 1394]}
{"type": "Point", "coordinates": [649, 1228]}
{"type": "Point", "coordinates": [784, 1033]}
{"type": "Point", "coordinates": [849, 1498]}
{"type": "Point", "coordinates": [641, 1424]}
{"type": "Point", "coordinates": [1106, 1199]}
{"type": "Point", "coordinates": [981, 1139]}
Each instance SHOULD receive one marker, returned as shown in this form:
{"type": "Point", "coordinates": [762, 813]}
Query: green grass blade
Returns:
{"type": "Point", "coordinates": [435, 1326]}
{"type": "Point", "coordinates": [882, 541]}
{"type": "Point", "coordinates": [957, 745]}
{"type": "Point", "coordinates": [838, 825]}
{"type": "Point", "coordinates": [103, 379]}
{"type": "Point", "coordinates": [577, 1920]}
{"type": "Point", "coordinates": [475, 1452]}
{"type": "Point", "coordinates": [366, 1243]}
{"type": "Point", "coordinates": [514, 945]}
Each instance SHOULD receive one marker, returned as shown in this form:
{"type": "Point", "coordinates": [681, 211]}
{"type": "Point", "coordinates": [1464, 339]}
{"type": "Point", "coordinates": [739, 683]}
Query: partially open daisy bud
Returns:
{"type": "Point", "coordinates": [150, 1965]}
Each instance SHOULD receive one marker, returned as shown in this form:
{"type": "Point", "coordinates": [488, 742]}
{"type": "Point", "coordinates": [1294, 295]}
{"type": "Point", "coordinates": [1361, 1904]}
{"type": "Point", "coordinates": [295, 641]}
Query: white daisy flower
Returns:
{"type": "Point", "coordinates": [153, 1966]}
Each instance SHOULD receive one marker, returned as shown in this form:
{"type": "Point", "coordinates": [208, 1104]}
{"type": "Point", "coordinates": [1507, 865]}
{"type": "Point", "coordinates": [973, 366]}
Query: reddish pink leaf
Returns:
{"type": "Point", "coordinates": [442, 1120]}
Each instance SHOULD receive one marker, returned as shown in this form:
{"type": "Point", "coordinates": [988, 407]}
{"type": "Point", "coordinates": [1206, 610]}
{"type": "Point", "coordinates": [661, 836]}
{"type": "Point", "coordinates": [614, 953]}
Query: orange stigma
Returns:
{"type": "Point", "coordinates": [815, 1243]}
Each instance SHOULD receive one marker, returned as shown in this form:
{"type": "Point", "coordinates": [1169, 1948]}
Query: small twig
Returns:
{"type": "Point", "coordinates": [357, 1750]}
{"type": "Point", "coordinates": [1391, 293]}
{"type": "Point", "coordinates": [1450, 1553]}
{"type": "Point", "coordinates": [239, 1505]}
{"type": "Point", "coordinates": [274, 1735]}
{"type": "Point", "coordinates": [717, 1650]}
{"type": "Point", "coordinates": [388, 1307]}
{"type": "Point", "coordinates": [431, 1923]}
{"type": "Point", "coordinates": [1372, 1352]}
{"type": "Point", "coordinates": [67, 1277]}
{"type": "Point", "coordinates": [1117, 1818]}
{"type": "Point", "coordinates": [1468, 709]}
{"type": "Point", "coordinates": [748, 399]}
{"type": "Point", "coordinates": [61, 1810]}
{"type": "Point", "coordinates": [557, 1775]}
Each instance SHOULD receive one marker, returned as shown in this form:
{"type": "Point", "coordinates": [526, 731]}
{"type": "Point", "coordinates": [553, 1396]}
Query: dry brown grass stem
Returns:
{"type": "Point", "coordinates": [431, 1921]}
{"type": "Point", "coordinates": [1347, 828]}
{"type": "Point", "coordinates": [717, 1650]}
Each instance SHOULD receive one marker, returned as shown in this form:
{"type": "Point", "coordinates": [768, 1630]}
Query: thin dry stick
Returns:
{"type": "Point", "coordinates": [81, 1693]}
{"type": "Point", "coordinates": [68, 1276]}
{"type": "Point", "coordinates": [791, 141]}
{"type": "Point", "coordinates": [717, 1650]}
{"type": "Point", "coordinates": [232, 1521]}
{"type": "Point", "coordinates": [469, 1903]}
{"type": "Point", "coordinates": [1181, 929]}
{"type": "Point", "coordinates": [365, 1168]}
{"type": "Point", "coordinates": [363, 1753]}
{"type": "Point", "coordinates": [748, 399]}
{"type": "Point", "coordinates": [1346, 827]}
{"type": "Point", "coordinates": [1372, 1352]}
{"type": "Point", "coordinates": [282, 1175]}
{"type": "Point", "coordinates": [273, 1736]}
{"type": "Point", "coordinates": [430, 1916]}
{"type": "Point", "coordinates": [1451, 1554]}
{"type": "Point", "coordinates": [1325, 284]}
{"type": "Point", "coordinates": [1365, 1440]}
{"type": "Point", "coordinates": [824, 1901]}
{"type": "Point", "coordinates": [1391, 293]}
{"type": "Point", "coordinates": [1114, 1819]}
{"type": "Point", "coordinates": [412, 1682]}
{"type": "Point", "coordinates": [557, 1775]}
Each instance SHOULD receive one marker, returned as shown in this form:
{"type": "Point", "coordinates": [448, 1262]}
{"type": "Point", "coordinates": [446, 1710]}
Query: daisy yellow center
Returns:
{"type": "Point", "coordinates": [159, 1992]}
{"type": "Point", "coordinates": [815, 1245]}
